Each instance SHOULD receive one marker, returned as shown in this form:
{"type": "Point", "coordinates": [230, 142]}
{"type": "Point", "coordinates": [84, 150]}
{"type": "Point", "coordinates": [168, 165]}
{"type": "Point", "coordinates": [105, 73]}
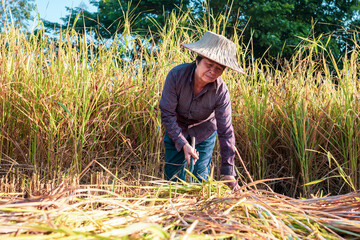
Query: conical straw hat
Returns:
{"type": "Point", "coordinates": [216, 48]}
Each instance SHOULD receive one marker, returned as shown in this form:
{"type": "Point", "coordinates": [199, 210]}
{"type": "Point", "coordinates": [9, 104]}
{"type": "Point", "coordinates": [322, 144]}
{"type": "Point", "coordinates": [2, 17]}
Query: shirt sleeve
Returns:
{"type": "Point", "coordinates": [225, 133]}
{"type": "Point", "coordinates": [168, 104]}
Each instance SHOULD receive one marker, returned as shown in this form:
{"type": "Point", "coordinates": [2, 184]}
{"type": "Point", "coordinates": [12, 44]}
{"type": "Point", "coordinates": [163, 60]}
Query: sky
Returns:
{"type": "Point", "coordinates": [53, 10]}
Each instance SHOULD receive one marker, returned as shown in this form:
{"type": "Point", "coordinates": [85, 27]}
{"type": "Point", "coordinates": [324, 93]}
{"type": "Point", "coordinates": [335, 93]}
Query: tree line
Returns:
{"type": "Point", "coordinates": [274, 27]}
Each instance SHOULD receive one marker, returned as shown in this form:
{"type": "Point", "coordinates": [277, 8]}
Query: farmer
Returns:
{"type": "Point", "coordinates": [195, 102]}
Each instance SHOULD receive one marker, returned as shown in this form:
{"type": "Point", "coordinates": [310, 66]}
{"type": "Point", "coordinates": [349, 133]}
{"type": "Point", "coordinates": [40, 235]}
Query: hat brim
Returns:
{"type": "Point", "coordinates": [201, 51]}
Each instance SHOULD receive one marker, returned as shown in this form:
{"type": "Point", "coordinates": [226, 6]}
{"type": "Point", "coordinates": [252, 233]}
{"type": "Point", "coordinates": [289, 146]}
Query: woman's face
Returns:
{"type": "Point", "coordinates": [208, 71]}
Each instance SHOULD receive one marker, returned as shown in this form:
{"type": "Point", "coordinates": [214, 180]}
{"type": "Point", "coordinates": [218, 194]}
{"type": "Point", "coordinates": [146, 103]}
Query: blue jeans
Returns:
{"type": "Point", "coordinates": [175, 163]}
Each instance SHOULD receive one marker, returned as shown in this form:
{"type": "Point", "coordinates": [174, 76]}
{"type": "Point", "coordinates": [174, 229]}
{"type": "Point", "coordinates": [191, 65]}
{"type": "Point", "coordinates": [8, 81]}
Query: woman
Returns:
{"type": "Point", "coordinates": [195, 102]}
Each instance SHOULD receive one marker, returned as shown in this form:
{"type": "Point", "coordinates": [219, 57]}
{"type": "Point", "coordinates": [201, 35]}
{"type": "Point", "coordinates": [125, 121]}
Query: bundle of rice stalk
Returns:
{"type": "Point", "coordinates": [164, 210]}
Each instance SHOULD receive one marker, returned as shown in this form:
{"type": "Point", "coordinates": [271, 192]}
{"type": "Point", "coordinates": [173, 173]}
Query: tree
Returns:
{"type": "Point", "coordinates": [114, 15]}
{"type": "Point", "coordinates": [16, 11]}
{"type": "Point", "coordinates": [274, 26]}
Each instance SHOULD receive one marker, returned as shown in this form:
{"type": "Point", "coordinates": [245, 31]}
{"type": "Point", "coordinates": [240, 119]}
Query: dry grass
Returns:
{"type": "Point", "coordinates": [161, 210]}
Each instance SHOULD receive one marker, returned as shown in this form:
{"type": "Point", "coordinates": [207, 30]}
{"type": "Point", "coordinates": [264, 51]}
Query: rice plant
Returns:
{"type": "Point", "coordinates": [70, 100]}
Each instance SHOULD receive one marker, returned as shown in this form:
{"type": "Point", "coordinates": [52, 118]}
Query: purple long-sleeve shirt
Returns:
{"type": "Point", "coordinates": [184, 114]}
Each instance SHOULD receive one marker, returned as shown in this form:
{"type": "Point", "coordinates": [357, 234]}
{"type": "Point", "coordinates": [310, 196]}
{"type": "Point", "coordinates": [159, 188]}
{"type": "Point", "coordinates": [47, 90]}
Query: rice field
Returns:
{"type": "Point", "coordinates": [81, 140]}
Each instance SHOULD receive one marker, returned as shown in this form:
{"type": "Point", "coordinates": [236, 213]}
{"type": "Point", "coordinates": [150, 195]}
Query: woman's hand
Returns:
{"type": "Point", "coordinates": [189, 152]}
{"type": "Point", "coordinates": [231, 182]}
